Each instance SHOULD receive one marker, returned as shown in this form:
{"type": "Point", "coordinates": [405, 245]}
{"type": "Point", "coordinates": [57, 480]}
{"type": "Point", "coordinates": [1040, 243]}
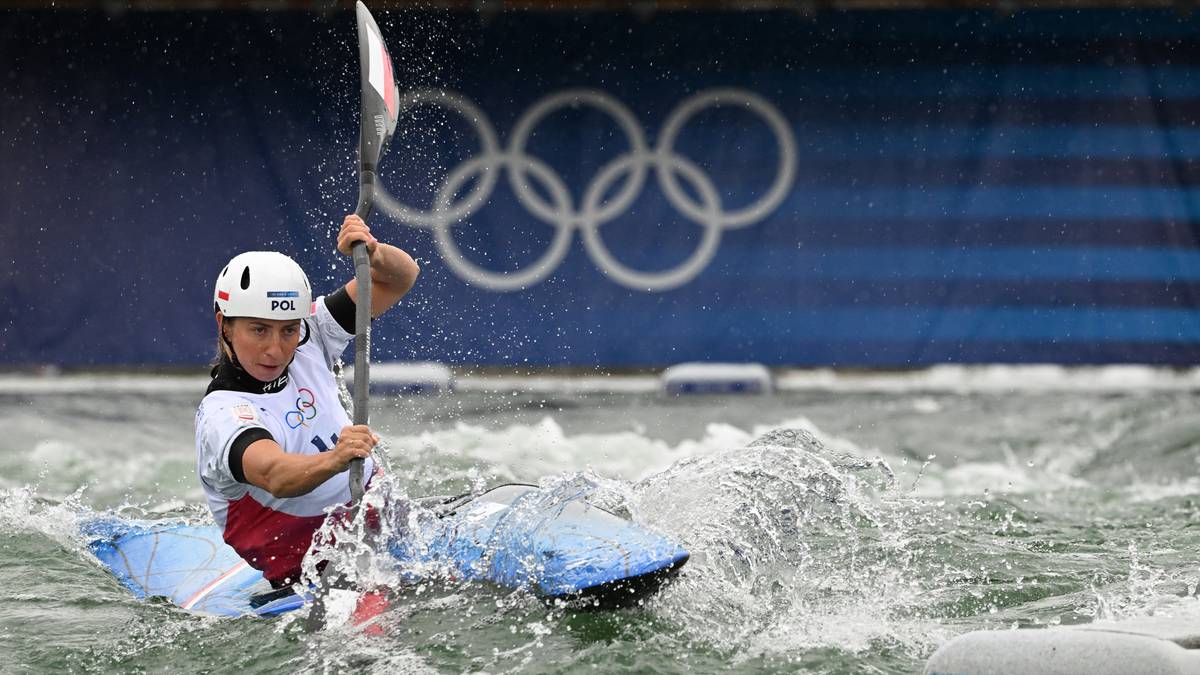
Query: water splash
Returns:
{"type": "Point", "coordinates": [794, 546]}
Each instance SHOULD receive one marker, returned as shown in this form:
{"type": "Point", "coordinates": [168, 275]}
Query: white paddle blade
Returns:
{"type": "Point", "coordinates": [380, 95]}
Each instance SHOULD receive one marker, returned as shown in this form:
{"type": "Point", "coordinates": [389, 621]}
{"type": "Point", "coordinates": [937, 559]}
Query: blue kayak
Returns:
{"type": "Point", "coordinates": [512, 536]}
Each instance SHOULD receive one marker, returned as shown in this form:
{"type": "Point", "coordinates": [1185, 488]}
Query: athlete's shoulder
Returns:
{"type": "Point", "coordinates": [327, 334]}
{"type": "Point", "coordinates": [229, 409]}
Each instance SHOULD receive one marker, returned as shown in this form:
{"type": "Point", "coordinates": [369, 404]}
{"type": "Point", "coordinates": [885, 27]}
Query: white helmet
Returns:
{"type": "Point", "coordinates": [263, 285]}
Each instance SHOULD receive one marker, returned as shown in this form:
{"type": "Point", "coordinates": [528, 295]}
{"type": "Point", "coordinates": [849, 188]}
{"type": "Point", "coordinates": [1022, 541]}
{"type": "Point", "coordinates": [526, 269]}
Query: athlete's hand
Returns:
{"type": "Point", "coordinates": [354, 229]}
{"type": "Point", "coordinates": [353, 442]}
{"type": "Point", "coordinates": [392, 270]}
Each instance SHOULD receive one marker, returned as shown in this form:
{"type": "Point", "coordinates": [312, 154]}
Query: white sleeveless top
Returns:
{"type": "Point", "coordinates": [304, 417]}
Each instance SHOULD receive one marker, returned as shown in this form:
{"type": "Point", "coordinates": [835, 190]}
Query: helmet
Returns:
{"type": "Point", "coordinates": [264, 285]}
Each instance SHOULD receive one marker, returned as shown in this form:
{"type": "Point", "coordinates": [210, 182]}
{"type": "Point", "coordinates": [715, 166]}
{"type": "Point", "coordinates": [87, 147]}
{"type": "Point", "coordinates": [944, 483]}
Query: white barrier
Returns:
{"type": "Point", "coordinates": [418, 377]}
{"type": "Point", "coordinates": [1150, 646]}
{"type": "Point", "coordinates": [717, 378]}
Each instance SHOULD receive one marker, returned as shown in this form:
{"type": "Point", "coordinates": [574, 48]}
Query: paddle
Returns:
{"type": "Point", "coordinates": [379, 108]}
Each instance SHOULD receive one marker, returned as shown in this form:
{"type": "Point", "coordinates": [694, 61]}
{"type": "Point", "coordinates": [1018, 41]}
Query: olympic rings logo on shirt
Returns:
{"type": "Point", "coordinates": [485, 167]}
{"type": "Point", "coordinates": [306, 409]}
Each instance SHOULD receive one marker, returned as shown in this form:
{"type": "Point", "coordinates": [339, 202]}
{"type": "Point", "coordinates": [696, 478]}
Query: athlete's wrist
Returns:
{"type": "Point", "coordinates": [339, 461]}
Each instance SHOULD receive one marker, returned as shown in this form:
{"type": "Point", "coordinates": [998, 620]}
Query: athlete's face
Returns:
{"type": "Point", "coordinates": [264, 347]}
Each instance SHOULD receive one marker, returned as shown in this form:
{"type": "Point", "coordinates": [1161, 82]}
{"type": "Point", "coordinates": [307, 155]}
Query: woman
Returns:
{"type": "Point", "coordinates": [272, 439]}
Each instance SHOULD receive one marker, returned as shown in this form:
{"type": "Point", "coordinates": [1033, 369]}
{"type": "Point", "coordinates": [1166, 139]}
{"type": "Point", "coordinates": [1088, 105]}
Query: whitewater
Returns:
{"type": "Point", "coordinates": [847, 523]}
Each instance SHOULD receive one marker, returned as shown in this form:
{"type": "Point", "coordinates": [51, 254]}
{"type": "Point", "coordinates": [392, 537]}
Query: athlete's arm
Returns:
{"type": "Point", "coordinates": [393, 272]}
{"type": "Point", "coordinates": [267, 466]}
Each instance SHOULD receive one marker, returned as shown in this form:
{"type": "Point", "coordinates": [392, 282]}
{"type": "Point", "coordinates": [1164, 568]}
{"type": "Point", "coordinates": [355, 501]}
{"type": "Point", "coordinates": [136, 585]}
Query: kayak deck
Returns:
{"type": "Point", "coordinates": [511, 535]}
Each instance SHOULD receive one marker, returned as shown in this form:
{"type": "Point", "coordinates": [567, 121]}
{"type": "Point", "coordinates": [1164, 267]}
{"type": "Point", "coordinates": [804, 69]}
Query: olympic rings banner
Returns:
{"type": "Point", "coordinates": [629, 170]}
{"type": "Point", "coordinates": [880, 189]}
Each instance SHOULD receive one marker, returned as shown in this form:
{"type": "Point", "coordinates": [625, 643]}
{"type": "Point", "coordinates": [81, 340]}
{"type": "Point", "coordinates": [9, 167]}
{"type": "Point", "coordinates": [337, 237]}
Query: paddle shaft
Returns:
{"type": "Point", "coordinates": [362, 327]}
{"type": "Point", "coordinates": [362, 363]}
{"type": "Point", "coordinates": [377, 122]}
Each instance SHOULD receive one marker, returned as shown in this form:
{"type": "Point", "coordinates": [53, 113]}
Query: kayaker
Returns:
{"type": "Point", "coordinates": [273, 441]}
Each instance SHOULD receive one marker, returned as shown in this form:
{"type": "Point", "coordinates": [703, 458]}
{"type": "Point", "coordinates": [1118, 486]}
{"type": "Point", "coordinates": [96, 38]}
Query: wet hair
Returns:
{"type": "Point", "coordinates": [223, 350]}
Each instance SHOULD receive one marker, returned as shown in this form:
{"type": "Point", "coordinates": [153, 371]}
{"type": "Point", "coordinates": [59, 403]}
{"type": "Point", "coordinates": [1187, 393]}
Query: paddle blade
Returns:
{"type": "Point", "coordinates": [380, 98]}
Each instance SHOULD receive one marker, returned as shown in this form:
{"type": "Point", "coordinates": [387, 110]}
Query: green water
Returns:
{"type": "Point", "coordinates": [1004, 510]}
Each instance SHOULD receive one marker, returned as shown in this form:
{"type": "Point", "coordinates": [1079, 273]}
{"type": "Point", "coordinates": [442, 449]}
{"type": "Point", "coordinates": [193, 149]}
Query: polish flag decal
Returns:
{"type": "Point", "coordinates": [380, 72]}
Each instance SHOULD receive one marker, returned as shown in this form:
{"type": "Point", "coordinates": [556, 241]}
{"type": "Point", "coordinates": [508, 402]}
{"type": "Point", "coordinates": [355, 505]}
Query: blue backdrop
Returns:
{"type": "Point", "coordinates": [861, 188]}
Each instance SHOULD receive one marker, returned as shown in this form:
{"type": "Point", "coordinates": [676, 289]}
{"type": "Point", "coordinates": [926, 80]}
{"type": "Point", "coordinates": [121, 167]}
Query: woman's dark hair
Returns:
{"type": "Point", "coordinates": [222, 348]}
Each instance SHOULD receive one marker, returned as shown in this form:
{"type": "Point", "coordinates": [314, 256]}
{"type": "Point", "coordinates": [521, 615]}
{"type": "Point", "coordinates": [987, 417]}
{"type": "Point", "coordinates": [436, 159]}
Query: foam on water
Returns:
{"type": "Point", "coordinates": [518, 452]}
{"type": "Point", "coordinates": [795, 546]}
{"type": "Point", "coordinates": [22, 510]}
